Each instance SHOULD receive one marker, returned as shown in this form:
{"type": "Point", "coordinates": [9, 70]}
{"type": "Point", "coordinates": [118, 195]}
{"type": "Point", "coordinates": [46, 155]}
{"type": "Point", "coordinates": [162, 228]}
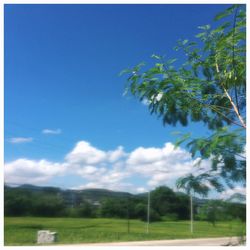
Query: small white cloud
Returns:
{"type": "Point", "coordinates": [17, 140]}
{"type": "Point", "coordinates": [52, 131]}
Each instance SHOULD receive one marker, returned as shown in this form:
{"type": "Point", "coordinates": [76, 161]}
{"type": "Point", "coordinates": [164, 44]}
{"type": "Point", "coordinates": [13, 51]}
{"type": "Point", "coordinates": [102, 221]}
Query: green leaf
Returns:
{"type": "Point", "coordinates": [225, 13]}
{"type": "Point", "coordinates": [171, 61]}
{"type": "Point", "coordinates": [204, 27]}
{"type": "Point", "coordinates": [200, 35]}
{"type": "Point", "coordinates": [184, 41]}
{"type": "Point", "coordinates": [125, 71]}
{"type": "Point", "coordinates": [156, 57]}
{"type": "Point", "coordinates": [182, 139]}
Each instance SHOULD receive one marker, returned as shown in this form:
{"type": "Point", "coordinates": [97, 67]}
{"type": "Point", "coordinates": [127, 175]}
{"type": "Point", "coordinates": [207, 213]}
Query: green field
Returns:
{"type": "Point", "coordinates": [23, 230]}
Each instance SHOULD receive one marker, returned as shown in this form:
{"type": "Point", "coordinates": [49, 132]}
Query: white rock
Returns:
{"type": "Point", "coordinates": [45, 237]}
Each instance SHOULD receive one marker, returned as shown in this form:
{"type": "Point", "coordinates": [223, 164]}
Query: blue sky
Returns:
{"type": "Point", "coordinates": [64, 96]}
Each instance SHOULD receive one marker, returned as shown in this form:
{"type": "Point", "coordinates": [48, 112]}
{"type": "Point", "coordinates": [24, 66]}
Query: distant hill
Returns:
{"type": "Point", "coordinates": [93, 195]}
{"type": "Point", "coordinates": [96, 195]}
{"type": "Point", "coordinates": [73, 197]}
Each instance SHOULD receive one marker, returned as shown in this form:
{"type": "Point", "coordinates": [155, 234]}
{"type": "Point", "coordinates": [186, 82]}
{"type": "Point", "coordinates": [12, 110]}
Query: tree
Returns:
{"type": "Point", "coordinates": [182, 206]}
{"type": "Point", "coordinates": [192, 184]}
{"type": "Point", "coordinates": [114, 208]}
{"type": "Point", "coordinates": [48, 206]}
{"type": "Point", "coordinates": [212, 211]}
{"type": "Point", "coordinates": [86, 210]}
{"type": "Point", "coordinates": [217, 210]}
{"type": "Point", "coordinates": [209, 87]}
{"type": "Point", "coordinates": [17, 202]}
{"type": "Point", "coordinates": [163, 200]}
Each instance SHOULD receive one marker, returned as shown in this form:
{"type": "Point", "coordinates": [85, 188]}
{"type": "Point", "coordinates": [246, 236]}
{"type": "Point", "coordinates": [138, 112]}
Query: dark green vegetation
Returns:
{"type": "Point", "coordinates": [29, 200]}
{"type": "Point", "coordinates": [23, 230]}
{"type": "Point", "coordinates": [208, 86]}
{"type": "Point", "coordinates": [97, 215]}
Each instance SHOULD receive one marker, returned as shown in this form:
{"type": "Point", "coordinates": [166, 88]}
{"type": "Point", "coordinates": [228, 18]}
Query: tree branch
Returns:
{"type": "Point", "coordinates": [235, 88]}
{"type": "Point", "coordinates": [231, 100]}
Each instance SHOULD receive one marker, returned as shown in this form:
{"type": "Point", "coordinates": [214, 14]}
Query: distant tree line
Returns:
{"type": "Point", "coordinates": [165, 205]}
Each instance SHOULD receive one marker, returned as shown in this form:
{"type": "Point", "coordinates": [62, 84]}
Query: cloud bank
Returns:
{"type": "Point", "coordinates": [137, 171]}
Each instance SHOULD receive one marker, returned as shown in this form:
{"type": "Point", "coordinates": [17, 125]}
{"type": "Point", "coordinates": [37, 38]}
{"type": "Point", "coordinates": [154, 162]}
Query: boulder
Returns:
{"type": "Point", "coordinates": [46, 237]}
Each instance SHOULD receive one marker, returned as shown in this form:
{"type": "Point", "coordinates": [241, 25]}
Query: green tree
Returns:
{"type": "Point", "coordinates": [209, 87]}
{"type": "Point", "coordinates": [86, 210]}
{"type": "Point", "coordinates": [114, 208]}
{"type": "Point", "coordinates": [212, 211]}
{"type": "Point", "coordinates": [182, 207]}
{"type": "Point", "coordinates": [192, 184]}
{"type": "Point", "coordinates": [163, 200]}
{"type": "Point", "coordinates": [48, 206]}
{"type": "Point", "coordinates": [17, 202]}
{"type": "Point", "coordinates": [236, 211]}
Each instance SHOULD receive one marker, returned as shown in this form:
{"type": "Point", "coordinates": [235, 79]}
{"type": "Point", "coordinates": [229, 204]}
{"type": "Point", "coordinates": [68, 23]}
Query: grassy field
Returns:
{"type": "Point", "coordinates": [23, 230]}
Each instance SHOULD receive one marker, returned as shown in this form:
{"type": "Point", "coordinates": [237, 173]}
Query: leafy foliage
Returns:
{"type": "Point", "coordinates": [209, 87]}
{"type": "Point", "coordinates": [46, 202]}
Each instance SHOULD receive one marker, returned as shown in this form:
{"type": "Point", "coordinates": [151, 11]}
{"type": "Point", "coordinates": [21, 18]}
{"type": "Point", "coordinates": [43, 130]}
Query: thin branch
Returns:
{"type": "Point", "coordinates": [232, 121]}
{"type": "Point", "coordinates": [231, 101]}
{"type": "Point", "coordinates": [234, 107]}
{"type": "Point", "coordinates": [235, 88]}
{"type": "Point", "coordinates": [217, 111]}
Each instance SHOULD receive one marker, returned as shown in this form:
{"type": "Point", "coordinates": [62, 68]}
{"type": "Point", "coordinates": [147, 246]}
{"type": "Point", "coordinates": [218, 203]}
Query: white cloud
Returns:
{"type": "Point", "coordinates": [84, 154]}
{"type": "Point", "coordinates": [52, 131]}
{"type": "Point", "coordinates": [115, 169]}
{"type": "Point", "coordinates": [166, 161]}
{"type": "Point", "coordinates": [117, 154]}
{"type": "Point", "coordinates": [168, 153]}
{"type": "Point", "coordinates": [89, 172]}
{"type": "Point", "coordinates": [24, 171]}
{"type": "Point", "coordinates": [163, 166]}
{"type": "Point", "coordinates": [17, 140]}
{"type": "Point", "coordinates": [145, 156]}
{"type": "Point", "coordinates": [102, 169]}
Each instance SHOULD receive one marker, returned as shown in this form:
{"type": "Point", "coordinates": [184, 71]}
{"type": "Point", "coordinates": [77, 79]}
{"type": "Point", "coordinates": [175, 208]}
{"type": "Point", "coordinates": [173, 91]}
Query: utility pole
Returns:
{"type": "Point", "coordinates": [191, 213]}
{"type": "Point", "coordinates": [148, 214]}
{"type": "Point", "coordinates": [128, 221]}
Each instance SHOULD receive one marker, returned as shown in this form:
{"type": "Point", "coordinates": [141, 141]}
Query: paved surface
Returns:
{"type": "Point", "coordinates": [186, 242]}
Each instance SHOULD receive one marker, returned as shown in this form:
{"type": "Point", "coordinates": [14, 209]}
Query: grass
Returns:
{"type": "Point", "coordinates": [23, 230]}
